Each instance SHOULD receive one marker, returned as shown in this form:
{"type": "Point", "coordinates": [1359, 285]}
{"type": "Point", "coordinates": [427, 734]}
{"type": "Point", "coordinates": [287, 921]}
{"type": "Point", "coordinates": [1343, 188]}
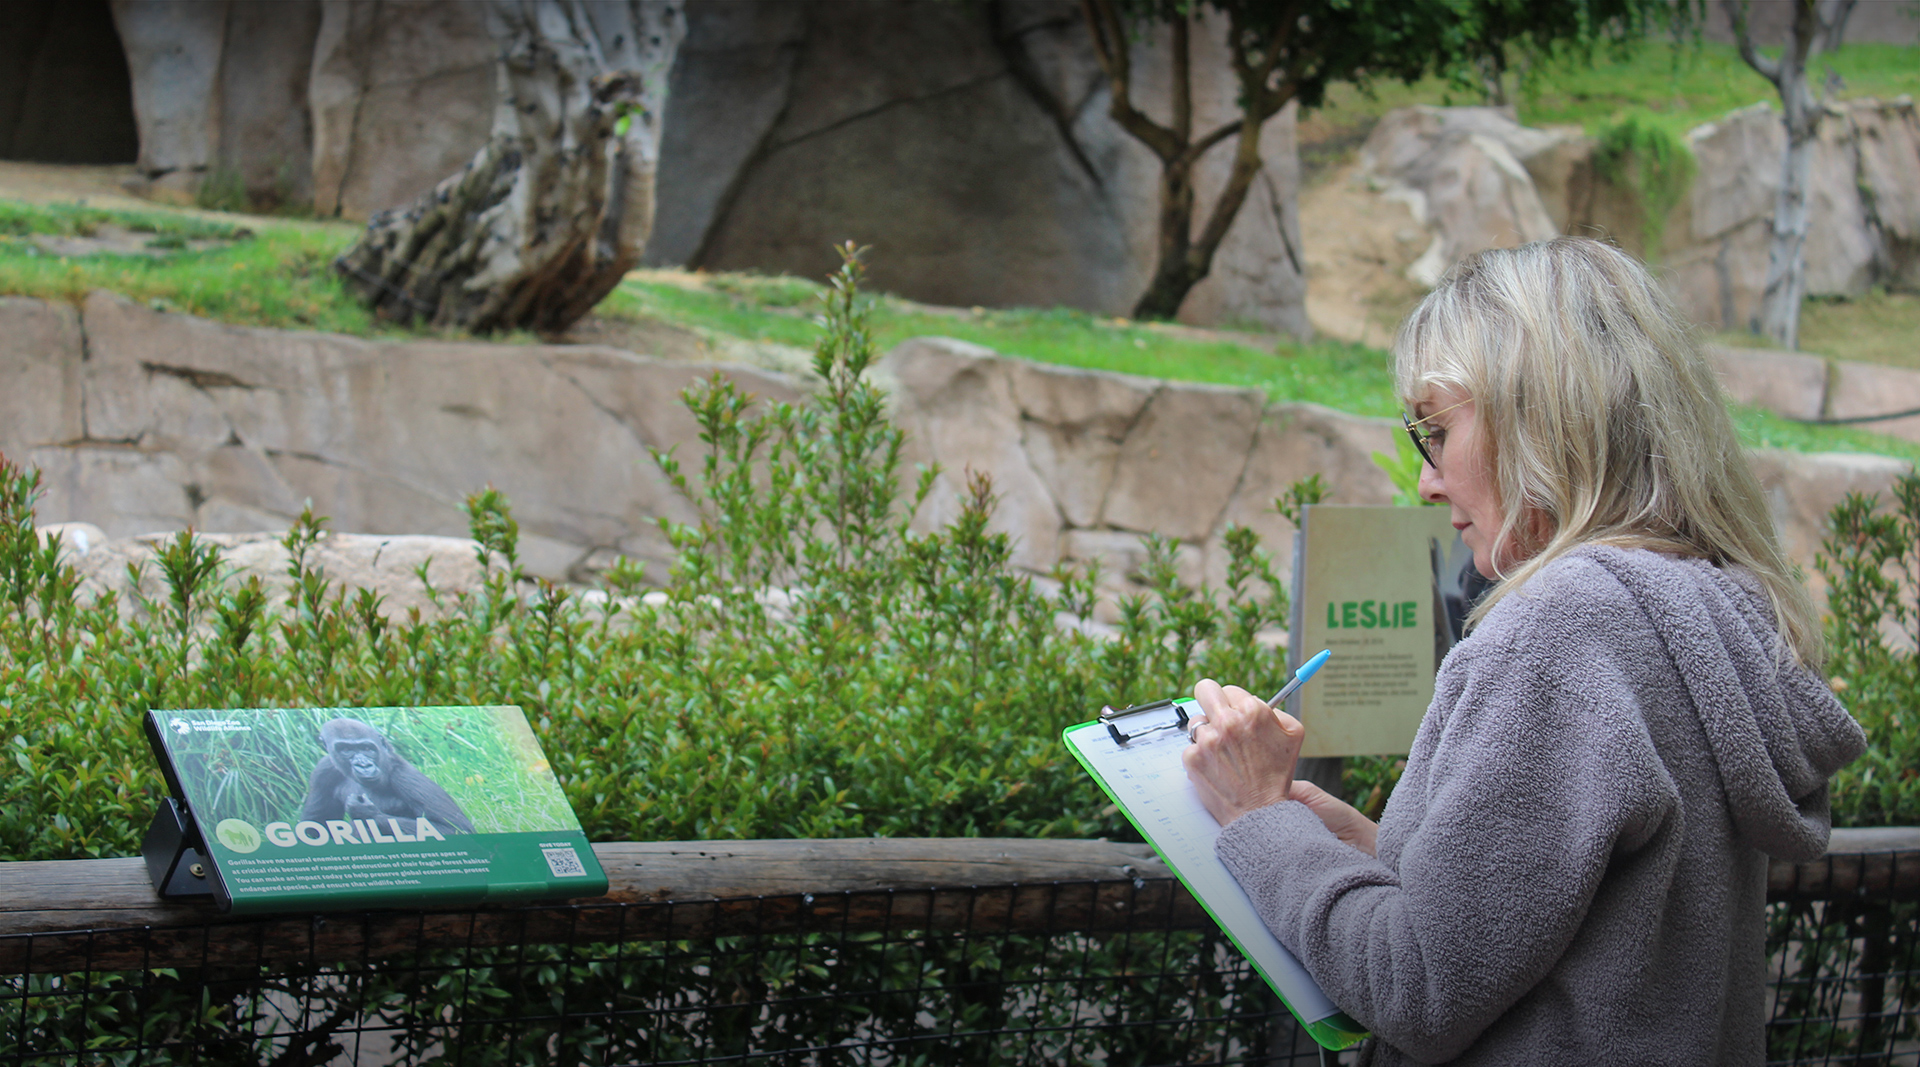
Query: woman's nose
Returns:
{"type": "Point", "coordinates": [1432, 487]}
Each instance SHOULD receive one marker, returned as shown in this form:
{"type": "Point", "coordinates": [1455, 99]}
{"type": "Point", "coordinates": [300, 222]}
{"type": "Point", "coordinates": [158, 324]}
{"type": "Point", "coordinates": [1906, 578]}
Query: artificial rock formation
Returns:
{"type": "Point", "coordinates": [219, 94]}
{"type": "Point", "coordinates": [145, 422]}
{"type": "Point", "coordinates": [1864, 205]}
{"type": "Point", "coordinates": [969, 144]}
{"type": "Point", "coordinates": [1474, 178]}
{"type": "Point", "coordinates": [1462, 172]}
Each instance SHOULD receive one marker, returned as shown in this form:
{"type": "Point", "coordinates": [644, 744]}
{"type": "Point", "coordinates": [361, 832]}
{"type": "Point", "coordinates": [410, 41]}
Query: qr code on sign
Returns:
{"type": "Point", "coordinates": [563, 862]}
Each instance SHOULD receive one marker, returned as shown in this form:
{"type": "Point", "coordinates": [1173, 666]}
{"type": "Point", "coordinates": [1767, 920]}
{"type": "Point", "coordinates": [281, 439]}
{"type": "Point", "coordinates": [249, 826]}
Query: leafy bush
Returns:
{"type": "Point", "coordinates": [814, 669]}
{"type": "Point", "coordinates": [1871, 560]}
{"type": "Point", "coordinates": [1655, 165]}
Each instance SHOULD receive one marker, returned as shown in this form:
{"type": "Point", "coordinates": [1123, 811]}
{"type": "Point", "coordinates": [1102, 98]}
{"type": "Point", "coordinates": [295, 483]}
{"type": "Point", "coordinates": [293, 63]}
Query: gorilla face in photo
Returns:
{"type": "Point", "coordinates": [363, 777]}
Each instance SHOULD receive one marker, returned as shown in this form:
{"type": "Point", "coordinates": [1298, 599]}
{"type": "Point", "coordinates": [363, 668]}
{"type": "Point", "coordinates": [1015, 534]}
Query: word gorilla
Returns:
{"type": "Point", "coordinates": [362, 777]}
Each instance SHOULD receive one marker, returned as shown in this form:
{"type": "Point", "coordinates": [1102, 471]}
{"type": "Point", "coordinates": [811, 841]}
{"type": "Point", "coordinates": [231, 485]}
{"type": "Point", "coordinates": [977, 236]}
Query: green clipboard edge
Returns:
{"type": "Point", "coordinates": [1336, 1032]}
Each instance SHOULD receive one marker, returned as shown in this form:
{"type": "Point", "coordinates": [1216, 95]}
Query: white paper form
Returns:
{"type": "Point", "coordinates": [1146, 778]}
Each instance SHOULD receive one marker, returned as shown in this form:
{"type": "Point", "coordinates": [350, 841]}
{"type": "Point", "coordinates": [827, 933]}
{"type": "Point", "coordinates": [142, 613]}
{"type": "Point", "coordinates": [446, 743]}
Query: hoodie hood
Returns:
{"type": "Point", "coordinates": [1776, 730]}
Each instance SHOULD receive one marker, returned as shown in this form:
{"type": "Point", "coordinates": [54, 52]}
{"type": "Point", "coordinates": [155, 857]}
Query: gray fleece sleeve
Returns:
{"type": "Point", "coordinates": [1532, 780]}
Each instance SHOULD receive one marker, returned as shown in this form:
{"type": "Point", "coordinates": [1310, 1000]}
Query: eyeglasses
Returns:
{"type": "Point", "coordinates": [1429, 443]}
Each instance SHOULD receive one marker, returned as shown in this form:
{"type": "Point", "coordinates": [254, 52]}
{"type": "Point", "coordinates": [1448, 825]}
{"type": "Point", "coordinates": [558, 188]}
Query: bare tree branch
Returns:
{"type": "Point", "coordinates": [1111, 50]}
{"type": "Point", "coordinates": [1743, 38]}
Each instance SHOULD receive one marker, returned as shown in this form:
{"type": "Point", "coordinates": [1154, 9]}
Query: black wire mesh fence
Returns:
{"type": "Point", "coordinates": [1075, 952]}
{"type": "Point", "coordinates": [1843, 940]}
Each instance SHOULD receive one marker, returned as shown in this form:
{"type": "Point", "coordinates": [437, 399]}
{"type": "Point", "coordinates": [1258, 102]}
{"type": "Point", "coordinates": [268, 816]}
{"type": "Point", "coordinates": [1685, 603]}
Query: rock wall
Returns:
{"type": "Point", "coordinates": [143, 422]}
{"type": "Point", "coordinates": [1477, 179]}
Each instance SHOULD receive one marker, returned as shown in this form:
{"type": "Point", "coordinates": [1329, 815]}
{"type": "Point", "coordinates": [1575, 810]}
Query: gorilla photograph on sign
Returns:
{"type": "Point", "coordinates": [330, 806]}
{"type": "Point", "coordinates": [362, 775]}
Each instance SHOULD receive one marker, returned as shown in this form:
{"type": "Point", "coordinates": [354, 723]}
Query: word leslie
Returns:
{"type": "Point", "coordinates": [1372, 615]}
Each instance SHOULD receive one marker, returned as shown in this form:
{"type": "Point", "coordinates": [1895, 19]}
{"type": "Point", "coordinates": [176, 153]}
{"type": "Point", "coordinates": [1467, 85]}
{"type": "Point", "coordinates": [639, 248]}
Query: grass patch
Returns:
{"type": "Point", "coordinates": [1759, 428]}
{"type": "Point", "coordinates": [281, 277]}
{"type": "Point", "coordinates": [1678, 87]}
{"type": "Point", "coordinates": [1347, 376]}
{"type": "Point", "coordinates": [1674, 87]}
{"type": "Point", "coordinates": [1878, 327]}
{"type": "Point", "coordinates": [19, 219]}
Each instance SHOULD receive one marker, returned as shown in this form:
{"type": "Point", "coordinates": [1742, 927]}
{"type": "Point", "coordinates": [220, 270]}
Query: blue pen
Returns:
{"type": "Point", "coordinates": [1300, 676]}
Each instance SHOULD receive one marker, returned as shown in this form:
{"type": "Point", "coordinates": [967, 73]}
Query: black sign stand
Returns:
{"type": "Point", "coordinates": [176, 857]}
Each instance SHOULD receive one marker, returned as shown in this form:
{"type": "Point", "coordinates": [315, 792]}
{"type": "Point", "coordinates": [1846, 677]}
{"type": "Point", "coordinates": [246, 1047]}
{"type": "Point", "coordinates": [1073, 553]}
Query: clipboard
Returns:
{"type": "Point", "coordinates": [1134, 754]}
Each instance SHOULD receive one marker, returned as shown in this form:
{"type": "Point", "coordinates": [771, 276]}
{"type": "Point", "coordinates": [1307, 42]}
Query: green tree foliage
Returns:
{"type": "Point", "coordinates": [1288, 50]}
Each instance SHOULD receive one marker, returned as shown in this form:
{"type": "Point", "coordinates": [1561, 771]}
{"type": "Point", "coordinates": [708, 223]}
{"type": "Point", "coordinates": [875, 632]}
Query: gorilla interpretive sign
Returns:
{"type": "Point", "coordinates": [317, 809]}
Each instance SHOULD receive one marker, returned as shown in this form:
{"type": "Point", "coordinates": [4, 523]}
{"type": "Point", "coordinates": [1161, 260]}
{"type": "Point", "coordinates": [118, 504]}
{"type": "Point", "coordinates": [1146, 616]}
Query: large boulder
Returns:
{"type": "Point", "coordinates": [1476, 179]}
{"type": "Point", "coordinates": [968, 143]}
{"type": "Point", "coordinates": [1719, 267]}
{"type": "Point", "coordinates": [220, 95]}
{"type": "Point", "coordinates": [1463, 173]}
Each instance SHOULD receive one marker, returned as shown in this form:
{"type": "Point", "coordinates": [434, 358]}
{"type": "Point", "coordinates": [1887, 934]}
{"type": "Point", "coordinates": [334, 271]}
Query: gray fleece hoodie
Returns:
{"type": "Point", "coordinates": [1573, 867]}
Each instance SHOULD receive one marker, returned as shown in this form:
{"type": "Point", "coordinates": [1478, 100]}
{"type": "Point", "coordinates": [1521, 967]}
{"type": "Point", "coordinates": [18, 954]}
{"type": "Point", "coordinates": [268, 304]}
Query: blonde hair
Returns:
{"type": "Point", "coordinates": [1600, 414]}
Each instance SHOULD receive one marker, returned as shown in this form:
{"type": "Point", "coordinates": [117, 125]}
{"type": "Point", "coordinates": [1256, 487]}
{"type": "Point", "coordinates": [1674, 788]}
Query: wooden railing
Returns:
{"type": "Point", "coordinates": [104, 914]}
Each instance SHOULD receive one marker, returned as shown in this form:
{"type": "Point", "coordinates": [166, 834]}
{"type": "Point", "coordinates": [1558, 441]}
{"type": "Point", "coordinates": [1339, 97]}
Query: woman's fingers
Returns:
{"type": "Point", "coordinates": [1337, 815]}
{"type": "Point", "coordinates": [1242, 756]}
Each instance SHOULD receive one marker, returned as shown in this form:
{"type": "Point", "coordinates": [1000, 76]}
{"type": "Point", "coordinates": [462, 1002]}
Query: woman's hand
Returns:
{"type": "Point", "coordinates": [1243, 754]}
{"type": "Point", "coordinates": [1242, 759]}
{"type": "Point", "coordinates": [1337, 815]}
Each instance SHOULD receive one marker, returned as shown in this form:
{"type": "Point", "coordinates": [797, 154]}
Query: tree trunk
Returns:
{"type": "Point", "coordinates": [1778, 316]}
{"type": "Point", "coordinates": [1816, 27]}
{"type": "Point", "coordinates": [1184, 261]}
{"type": "Point", "coordinates": [556, 207]}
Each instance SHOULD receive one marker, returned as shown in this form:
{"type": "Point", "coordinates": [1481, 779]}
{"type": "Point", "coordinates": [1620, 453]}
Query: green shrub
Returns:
{"type": "Point", "coordinates": [1871, 561]}
{"type": "Point", "coordinates": [816, 669]}
{"type": "Point", "coordinates": [1655, 165]}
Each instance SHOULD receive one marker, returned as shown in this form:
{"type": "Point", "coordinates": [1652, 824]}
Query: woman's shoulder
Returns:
{"type": "Point", "coordinates": [1608, 591]}
{"type": "Point", "coordinates": [1581, 581]}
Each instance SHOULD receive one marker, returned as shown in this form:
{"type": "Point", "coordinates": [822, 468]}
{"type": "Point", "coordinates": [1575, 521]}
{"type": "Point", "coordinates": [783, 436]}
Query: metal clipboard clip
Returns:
{"type": "Point", "coordinates": [1108, 715]}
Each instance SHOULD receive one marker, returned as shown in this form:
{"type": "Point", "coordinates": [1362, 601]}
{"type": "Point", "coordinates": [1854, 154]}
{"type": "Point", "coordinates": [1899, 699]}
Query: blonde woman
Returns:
{"type": "Point", "coordinates": [1572, 869]}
